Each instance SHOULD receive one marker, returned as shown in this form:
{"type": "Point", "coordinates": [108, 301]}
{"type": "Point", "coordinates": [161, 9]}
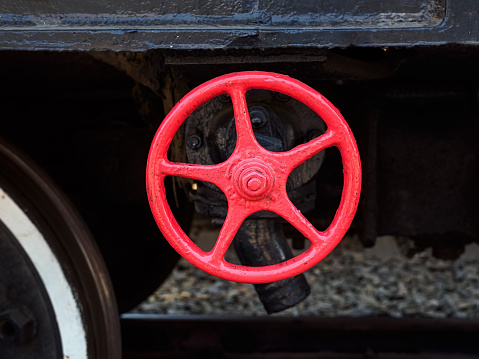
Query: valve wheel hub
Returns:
{"type": "Point", "coordinates": [254, 179]}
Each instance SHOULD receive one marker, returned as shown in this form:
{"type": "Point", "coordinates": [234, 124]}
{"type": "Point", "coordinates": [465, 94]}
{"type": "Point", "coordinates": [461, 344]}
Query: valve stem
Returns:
{"type": "Point", "coordinates": [261, 242]}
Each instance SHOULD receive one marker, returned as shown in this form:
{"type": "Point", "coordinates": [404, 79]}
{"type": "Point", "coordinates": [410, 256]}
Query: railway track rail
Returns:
{"type": "Point", "coordinates": [161, 336]}
{"type": "Point", "coordinates": [261, 128]}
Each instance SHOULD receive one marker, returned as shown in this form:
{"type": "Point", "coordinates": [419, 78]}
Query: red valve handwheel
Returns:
{"type": "Point", "coordinates": [253, 178]}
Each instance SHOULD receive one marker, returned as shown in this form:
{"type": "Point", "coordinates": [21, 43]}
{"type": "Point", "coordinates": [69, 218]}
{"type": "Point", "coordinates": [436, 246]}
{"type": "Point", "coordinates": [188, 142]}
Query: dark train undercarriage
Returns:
{"type": "Point", "coordinates": [90, 125]}
{"type": "Point", "coordinates": [88, 119]}
{"type": "Point", "coordinates": [407, 86]}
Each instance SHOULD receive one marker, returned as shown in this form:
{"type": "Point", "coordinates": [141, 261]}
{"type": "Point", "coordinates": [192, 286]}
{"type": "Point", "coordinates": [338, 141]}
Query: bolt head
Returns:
{"type": "Point", "coordinates": [194, 141]}
{"type": "Point", "coordinates": [253, 179]}
{"type": "Point", "coordinates": [16, 328]}
{"type": "Point", "coordinates": [253, 182]}
{"type": "Point", "coordinates": [258, 118]}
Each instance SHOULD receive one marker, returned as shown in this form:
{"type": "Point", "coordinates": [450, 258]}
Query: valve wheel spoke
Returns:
{"type": "Point", "coordinates": [244, 130]}
{"type": "Point", "coordinates": [289, 212]}
{"type": "Point", "coordinates": [207, 173]}
{"type": "Point", "coordinates": [305, 151]}
{"type": "Point", "coordinates": [234, 218]}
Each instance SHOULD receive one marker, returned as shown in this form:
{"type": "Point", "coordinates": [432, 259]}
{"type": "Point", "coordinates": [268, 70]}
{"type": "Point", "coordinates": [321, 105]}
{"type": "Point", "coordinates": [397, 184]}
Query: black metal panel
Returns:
{"type": "Point", "coordinates": [215, 24]}
{"type": "Point", "coordinates": [196, 14]}
{"type": "Point", "coordinates": [301, 337]}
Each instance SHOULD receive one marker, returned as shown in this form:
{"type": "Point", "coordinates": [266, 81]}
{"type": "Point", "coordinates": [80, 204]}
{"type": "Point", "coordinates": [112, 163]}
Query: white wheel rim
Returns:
{"type": "Point", "coordinates": [60, 293]}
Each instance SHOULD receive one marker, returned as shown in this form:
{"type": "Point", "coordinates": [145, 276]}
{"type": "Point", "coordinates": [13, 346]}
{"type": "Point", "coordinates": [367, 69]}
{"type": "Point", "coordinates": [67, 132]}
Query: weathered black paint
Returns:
{"type": "Point", "coordinates": [214, 24]}
{"type": "Point", "coordinates": [71, 14]}
{"type": "Point", "coordinates": [261, 242]}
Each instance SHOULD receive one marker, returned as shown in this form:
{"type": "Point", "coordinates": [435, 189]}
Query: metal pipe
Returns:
{"type": "Point", "coordinates": [261, 242]}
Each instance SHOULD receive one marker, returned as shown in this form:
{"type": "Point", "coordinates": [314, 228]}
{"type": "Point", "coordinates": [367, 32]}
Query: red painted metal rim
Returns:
{"type": "Point", "coordinates": [242, 202]}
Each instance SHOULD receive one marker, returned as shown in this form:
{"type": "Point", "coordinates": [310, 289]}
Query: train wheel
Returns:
{"type": "Point", "coordinates": [56, 299]}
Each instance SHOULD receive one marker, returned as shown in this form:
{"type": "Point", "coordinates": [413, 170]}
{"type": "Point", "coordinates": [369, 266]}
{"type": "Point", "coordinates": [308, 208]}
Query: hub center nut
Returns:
{"type": "Point", "coordinates": [253, 179]}
{"type": "Point", "coordinates": [254, 184]}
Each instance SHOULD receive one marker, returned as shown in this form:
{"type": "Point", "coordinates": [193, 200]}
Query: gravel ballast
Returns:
{"type": "Point", "coordinates": [351, 281]}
